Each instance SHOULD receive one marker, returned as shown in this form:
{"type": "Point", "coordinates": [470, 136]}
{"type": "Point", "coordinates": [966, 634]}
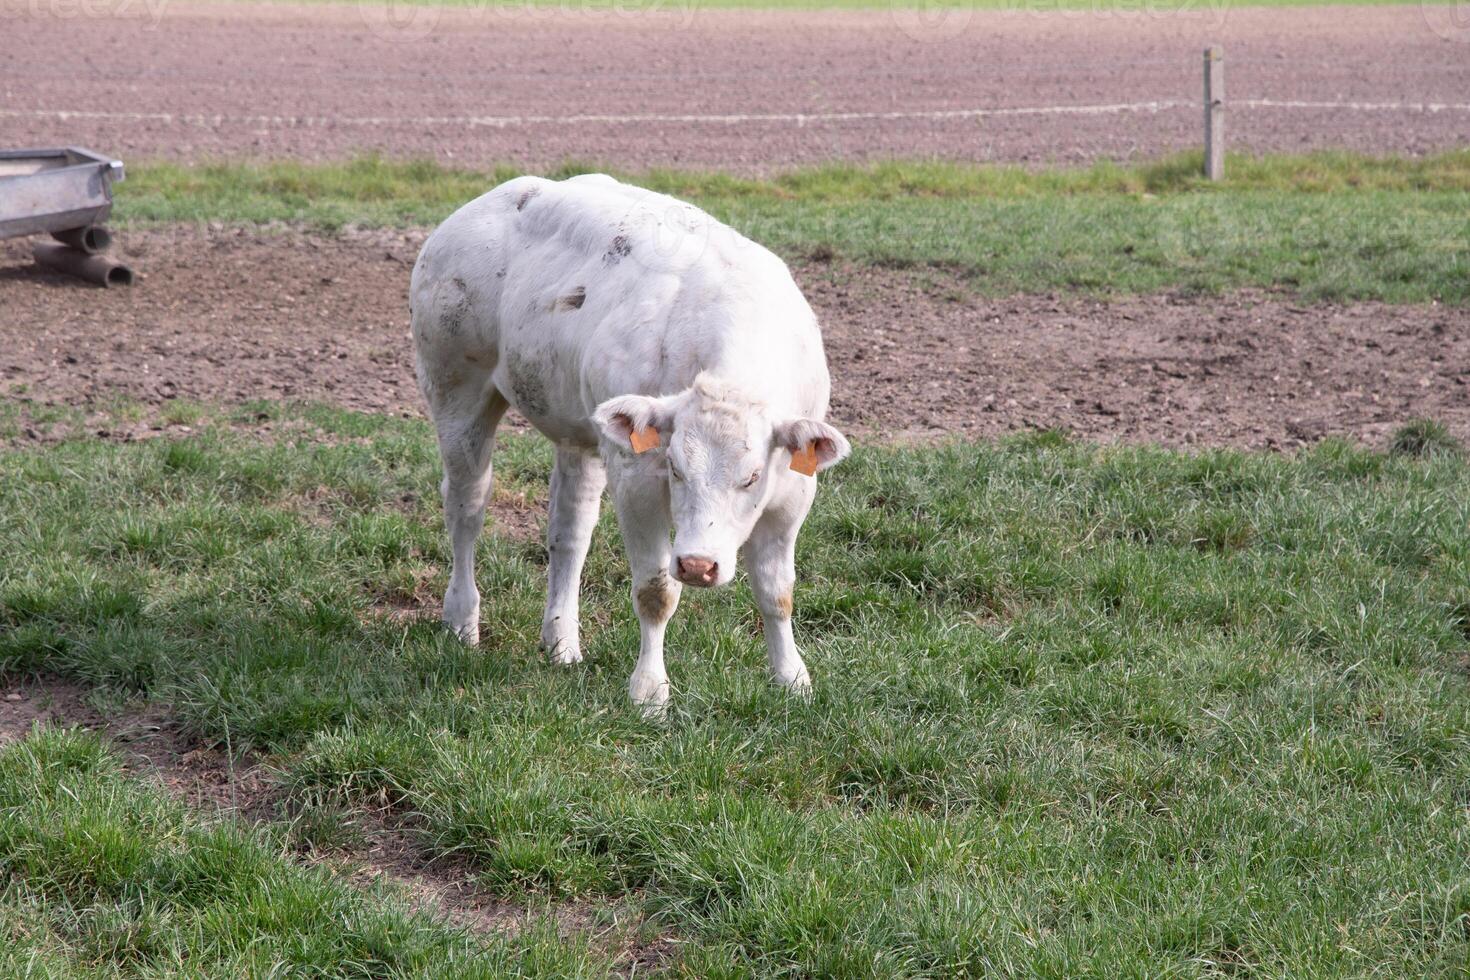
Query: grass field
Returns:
{"type": "Point", "coordinates": [1328, 226]}
{"type": "Point", "coordinates": [107, 878]}
{"type": "Point", "coordinates": [1079, 711]}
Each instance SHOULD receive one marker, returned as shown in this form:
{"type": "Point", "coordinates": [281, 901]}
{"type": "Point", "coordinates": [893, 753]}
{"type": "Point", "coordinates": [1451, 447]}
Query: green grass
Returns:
{"type": "Point", "coordinates": [1328, 226]}
{"type": "Point", "coordinates": [1079, 711]}
{"type": "Point", "coordinates": [101, 877]}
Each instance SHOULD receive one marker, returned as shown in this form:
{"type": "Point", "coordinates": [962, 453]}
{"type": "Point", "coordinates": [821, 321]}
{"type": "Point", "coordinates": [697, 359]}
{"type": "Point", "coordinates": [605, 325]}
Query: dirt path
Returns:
{"type": "Point", "coordinates": [745, 91]}
{"type": "Point", "coordinates": [233, 316]}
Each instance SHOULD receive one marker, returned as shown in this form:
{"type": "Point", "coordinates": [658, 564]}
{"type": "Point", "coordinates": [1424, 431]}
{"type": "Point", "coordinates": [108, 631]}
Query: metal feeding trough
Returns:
{"type": "Point", "coordinates": [66, 193]}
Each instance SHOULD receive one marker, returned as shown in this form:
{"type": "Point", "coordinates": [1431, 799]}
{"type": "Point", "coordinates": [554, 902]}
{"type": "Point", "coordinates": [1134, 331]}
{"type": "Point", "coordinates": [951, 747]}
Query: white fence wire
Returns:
{"type": "Point", "coordinates": [721, 119]}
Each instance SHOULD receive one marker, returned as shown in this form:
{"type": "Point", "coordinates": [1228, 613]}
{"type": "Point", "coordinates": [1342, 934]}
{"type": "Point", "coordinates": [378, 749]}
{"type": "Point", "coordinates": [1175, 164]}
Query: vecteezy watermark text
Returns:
{"type": "Point", "coordinates": [150, 11]}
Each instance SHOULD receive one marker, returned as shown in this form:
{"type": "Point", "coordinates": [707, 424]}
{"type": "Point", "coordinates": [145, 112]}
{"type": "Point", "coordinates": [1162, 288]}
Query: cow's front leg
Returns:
{"type": "Point", "coordinates": [642, 501]}
{"type": "Point", "coordinates": [770, 559]}
{"type": "Point", "coordinates": [576, 493]}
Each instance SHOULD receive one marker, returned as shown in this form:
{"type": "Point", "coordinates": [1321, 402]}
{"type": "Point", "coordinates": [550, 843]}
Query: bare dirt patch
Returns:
{"type": "Point", "coordinates": [23, 704]}
{"type": "Point", "coordinates": [748, 91]}
{"type": "Point", "coordinates": [233, 315]}
{"type": "Point", "coordinates": [1249, 369]}
{"type": "Point", "coordinates": [229, 316]}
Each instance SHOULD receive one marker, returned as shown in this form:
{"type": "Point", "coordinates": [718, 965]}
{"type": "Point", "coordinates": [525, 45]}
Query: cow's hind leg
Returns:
{"type": "Point", "coordinates": [643, 517]}
{"type": "Point", "coordinates": [465, 416]}
{"type": "Point", "coordinates": [576, 495]}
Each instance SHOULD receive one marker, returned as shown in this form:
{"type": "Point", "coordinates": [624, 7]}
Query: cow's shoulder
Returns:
{"type": "Point", "coordinates": [631, 239]}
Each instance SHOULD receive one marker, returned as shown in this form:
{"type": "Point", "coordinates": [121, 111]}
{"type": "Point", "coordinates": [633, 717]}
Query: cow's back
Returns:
{"type": "Point", "coordinates": [570, 292]}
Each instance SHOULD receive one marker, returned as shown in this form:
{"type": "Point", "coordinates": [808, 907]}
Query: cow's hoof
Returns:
{"type": "Point", "coordinates": [654, 712]}
{"type": "Point", "coordinates": [462, 613]}
{"type": "Point", "coordinates": [468, 633]}
{"type": "Point", "coordinates": [565, 653]}
{"type": "Point", "coordinates": [650, 695]}
{"type": "Point", "coordinates": [561, 640]}
{"type": "Point", "coordinates": [799, 685]}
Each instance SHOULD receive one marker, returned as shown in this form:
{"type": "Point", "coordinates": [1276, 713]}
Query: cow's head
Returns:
{"type": "Point", "coordinates": [726, 458]}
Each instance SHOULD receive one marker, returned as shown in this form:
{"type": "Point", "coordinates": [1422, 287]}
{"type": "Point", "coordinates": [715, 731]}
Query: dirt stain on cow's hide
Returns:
{"type": "Point", "coordinates": [571, 301]}
{"type": "Point", "coordinates": [526, 198]}
{"type": "Point", "coordinates": [457, 310]}
{"type": "Point", "coordinates": [656, 598]}
{"type": "Point", "coordinates": [783, 605]}
{"type": "Point", "coordinates": [620, 249]}
{"type": "Point", "coordinates": [527, 386]}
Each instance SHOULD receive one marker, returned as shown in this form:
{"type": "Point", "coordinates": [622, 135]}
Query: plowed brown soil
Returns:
{"type": "Point", "coordinates": [736, 90]}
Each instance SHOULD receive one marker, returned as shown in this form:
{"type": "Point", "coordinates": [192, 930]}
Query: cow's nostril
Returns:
{"type": "Point", "coordinates": [700, 570]}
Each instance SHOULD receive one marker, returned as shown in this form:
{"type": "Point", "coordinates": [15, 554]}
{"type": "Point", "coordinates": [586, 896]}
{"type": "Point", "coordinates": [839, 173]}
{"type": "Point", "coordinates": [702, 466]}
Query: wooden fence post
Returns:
{"type": "Point", "coordinates": [1214, 113]}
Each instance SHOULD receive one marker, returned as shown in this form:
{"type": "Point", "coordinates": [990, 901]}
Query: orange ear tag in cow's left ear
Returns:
{"type": "Point", "coordinates": [644, 439]}
{"type": "Point", "coordinates": [804, 460]}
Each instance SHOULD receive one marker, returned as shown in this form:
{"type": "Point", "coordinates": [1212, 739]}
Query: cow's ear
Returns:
{"type": "Point", "coordinates": [637, 423]}
{"type": "Point", "coordinates": [813, 445]}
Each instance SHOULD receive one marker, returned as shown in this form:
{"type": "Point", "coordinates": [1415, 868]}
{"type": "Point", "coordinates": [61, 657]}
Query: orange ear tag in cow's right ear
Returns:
{"type": "Point", "coordinates": [644, 439]}
{"type": "Point", "coordinates": [804, 460]}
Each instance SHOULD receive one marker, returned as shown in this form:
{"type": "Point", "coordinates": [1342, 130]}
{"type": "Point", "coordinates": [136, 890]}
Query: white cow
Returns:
{"type": "Point", "coordinates": [661, 352]}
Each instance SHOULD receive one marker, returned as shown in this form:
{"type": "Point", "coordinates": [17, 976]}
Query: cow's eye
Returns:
{"type": "Point", "coordinates": [674, 472]}
{"type": "Point", "coordinates": [751, 482]}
